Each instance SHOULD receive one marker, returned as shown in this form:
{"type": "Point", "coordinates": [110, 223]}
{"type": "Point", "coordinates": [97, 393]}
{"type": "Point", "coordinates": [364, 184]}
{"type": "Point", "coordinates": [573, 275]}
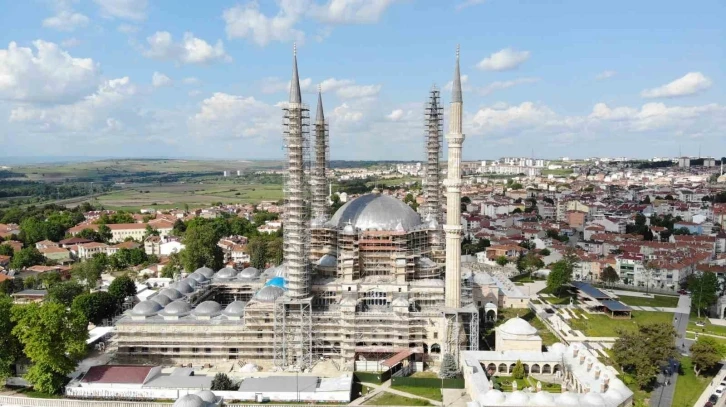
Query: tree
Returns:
{"type": "Point", "coordinates": [65, 292]}
{"type": "Point", "coordinates": [560, 275]}
{"type": "Point", "coordinates": [448, 368]}
{"type": "Point", "coordinates": [50, 279]}
{"type": "Point", "coordinates": [517, 210]}
{"type": "Point", "coordinates": [531, 262]}
{"type": "Point", "coordinates": [257, 250]}
{"type": "Point", "coordinates": [179, 228]}
{"type": "Point", "coordinates": [201, 248]}
{"type": "Point", "coordinates": [29, 256]}
{"type": "Point", "coordinates": [150, 231]}
{"type": "Point", "coordinates": [502, 260]}
{"type": "Point", "coordinates": [706, 353]}
{"type": "Point", "coordinates": [518, 372]}
{"type": "Point", "coordinates": [222, 382]}
{"type": "Point", "coordinates": [122, 287]}
{"type": "Point", "coordinates": [545, 252]}
{"type": "Point", "coordinates": [704, 289]}
{"type": "Point", "coordinates": [104, 232]}
{"type": "Point", "coordinates": [274, 250]}
{"type": "Point", "coordinates": [609, 275]}
{"type": "Point", "coordinates": [682, 231]}
{"type": "Point", "coordinates": [90, 234]}
{"type": "Point", "coordinates": [642, 351]}
{"type": "Point", "coordinates": [6, 250]}
{"type": "Point", "coordinates": [95, 306]}
{"type": "Point", "coordinates": [53, 338]}
{"type": "Point", "coordinates": [9, 346]}
{"type": "Point", "coordinates": [89, 271]}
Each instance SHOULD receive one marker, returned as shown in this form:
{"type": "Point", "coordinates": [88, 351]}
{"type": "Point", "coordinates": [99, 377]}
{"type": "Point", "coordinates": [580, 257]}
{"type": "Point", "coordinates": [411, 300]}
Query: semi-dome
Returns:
{"type": "Point", "coordinates": [205, 271]}
{"type": "Point", "coordinates": [235, 309]}
{"type": "Point", "coordinates": [207, 309]}
{"type": "Point", "coordinates": [207, 396]}
{"type": "Point", "coordinates": [161, 299]}
{"type": "Point", "coordinates": [172, 293]}
{"type": "Point", "coordinates": [227, 272]}
{"type": "Point", "coordinates": [182, 287]}
{"type": "Point", "coordinates": [269, 293]}
{"type": "Point", "coordinates": [376, 212]}
{"type": "Point", "coordinates": [146, 308]}
{"type": "Point", "coordinates": [543, 398]}
{"type": "Point", "coordinates": [328, 261]}
{"type": "Point", "coordinates": [249, 273]}
{"type": "Point", "coordinates": [517, 398]}
{"type": "Point", "coordinates": [567, 399]}
{"type": "Point", "coordinates": [190, 400]}
{"type": "Point", "coordinates": [177, 309]}
{"type": "Point", "coordinates": [198, 277]}
{"type": "Point", "coordinates": [518, 326]}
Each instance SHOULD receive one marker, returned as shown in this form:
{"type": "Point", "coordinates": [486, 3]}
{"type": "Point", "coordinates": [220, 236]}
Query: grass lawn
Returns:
{"type": "Point", "coordinates": [689, 387]}
{"type": "Point", "coordinates": [708, 328]}
{"type": "Point", "coordinates": [426, 374]}
{"type": "Point", "coordinates": [388, 399]}
{"type": "Point", "coordinates": [557, 172]}
{"type": "Point", "coordinates": [657, 301]}
{"type": "Point", "coordinates": [427, 392]}
{"type": "Point", "coordinates": [599, 325]}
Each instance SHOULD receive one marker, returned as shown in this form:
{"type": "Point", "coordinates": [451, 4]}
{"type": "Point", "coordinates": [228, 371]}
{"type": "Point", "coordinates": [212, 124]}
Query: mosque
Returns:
{"type": "Point", "coordinates": [375, 281]}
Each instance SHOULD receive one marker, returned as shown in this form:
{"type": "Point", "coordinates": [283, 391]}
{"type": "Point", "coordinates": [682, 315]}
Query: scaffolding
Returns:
{"type": "Point", "coordinates": [293, 337]}
{"type": "Point", "coordinates": [462, 330]}
{"type": "Point", "coordinates": [434, 117]}
{"type": "Point", "coordinates": [319, 181]}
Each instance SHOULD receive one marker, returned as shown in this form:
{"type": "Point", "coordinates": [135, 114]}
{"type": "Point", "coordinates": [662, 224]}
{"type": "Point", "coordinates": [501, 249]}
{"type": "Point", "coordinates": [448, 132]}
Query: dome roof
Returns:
{"type": "Point", "coordinates": [593, 399]}
{"type": "Point", "coordinates": [249, 273]}
{"type": "Point", "coordinates": [227, 272]}
{"type": "Point", "coordinates": [162, 299]}
{"type": "Point", "coordinates": [192, 282]}
{"type": "Point", "coordinates": [198, 277]}
{"type": "Point", "coordinates": [183, 287]}
{"type": "Point", "coordinates": [517, 398]}
{"type": "Point", "coordinates": [328, 261]}
{"type": "Point", "coordinates": [493, 396]}
{"type": "Point", "coordinates": [235, 309]}
{"type": "Point", "coordinates": [568, 399]}
{"type": "Point", "coordinates": [207, 395]}
{"type": "Point", "coordinates": [205, 271]}
{"type": "Point", "coordinates": [146, 308]}
{"type": "Point", "coordinates": [269, 293]}
{"type": "Point", "coordinates": [543, 398]}
{"type": "Point", "coordinates": [207, 308]}
{"type": "Point", "coordinates": [177, 308]}
{"type": "Point", "coordinates": [377, 212]}
{"type": "Point", "coordinates": [172, 293]}
{"type": "Point", "coordinates": [276, 282]}
{"type": "Point", "coordinates": [518, 326]}
{"type": "Point", "coordinates": [190, 400]}
{"type": "Point", "coordinates": [558, 348]}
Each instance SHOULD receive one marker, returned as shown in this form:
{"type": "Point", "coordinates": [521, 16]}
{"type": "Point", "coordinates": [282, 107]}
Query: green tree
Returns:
{"type": "Point", "coordinates": [545, 252]}
{"type": "Point", "coordinates": [502, 260]}
{"type": "Point", "coordinates": [26, 257]}
{"type": "Point", "coordinates": [173, 266]}
{"type": "Point", "coordinates": [642, 351]}
{"type": "Point", "coordinates": [448, 369]}
{"type": "Point", "coordinates": [104, 232]}
{"type": "Point", "coordinates": [95, 306]}
{"type": "Point", "coordinates": [32, 230]}
{"type": "Point", "coordinates": [9, 345]}
{"type": "Point", "coordinates": [257, 250]}
{"type": "Point", "coordinates": [50, 279]}
{"type": "Point", "coordinates": [53, 338]}
{"type": "Point", "coordinates": [222, 382]}
{"type": "Point", "coordinates": [609, 275]}
{"type": "Point", "coordinates": [6, 250]}
{"type": "Point", "coordinates": [530, 262]}
{"type": "Point", "coordinates": [274, 250]}
{"type": "Point", "coordinates": [560, 275]}
{"type": "Point", "coordinates": [150, 231]}
{"type": "Point", "coordinates": [201, 249]}
{"type": "Point", "coordinates": [518, 372]}
{"type": "Point", "coordinates": [65, 292]}
{"type": "Point", "coordinates": [706, 353]}
{"type": "Point", "coordinates": [122, 287]}
{"type": "Point", "coordinates": [179, 228]}
{"type": "Point", "coordinates": [89, 271]}
{"type": "Point", "coordinates": [704, 290]}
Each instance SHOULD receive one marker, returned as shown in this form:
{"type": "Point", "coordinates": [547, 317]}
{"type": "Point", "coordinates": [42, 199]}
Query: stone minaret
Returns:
{"type": "Point", "coordinates": [296, 219]}
{"type": "Point", "coordinates": [452, 228]}
{"type": "Point", "coordinates": [320, 180]}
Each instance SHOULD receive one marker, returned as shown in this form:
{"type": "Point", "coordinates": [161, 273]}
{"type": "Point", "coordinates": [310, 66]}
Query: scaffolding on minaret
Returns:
{"type": "Point", "coordinates": [434, 119]}
{"type": "Point", "coordinates": [319, 181]}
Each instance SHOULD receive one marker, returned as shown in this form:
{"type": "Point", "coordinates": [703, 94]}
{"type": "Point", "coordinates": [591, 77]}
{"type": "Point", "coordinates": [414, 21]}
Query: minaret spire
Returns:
{"type": "Point", "coordinates": [320, 117]}
{"type": "Point", "coordinates": [295, 96]}
{"type": "Point", "coordinates": [320, 169]}
{"type": "Point", "coordinates": [456, 88]}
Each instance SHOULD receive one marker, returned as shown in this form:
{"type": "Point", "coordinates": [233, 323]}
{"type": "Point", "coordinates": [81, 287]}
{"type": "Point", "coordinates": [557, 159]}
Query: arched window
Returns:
{"type": "Point", "coordinates": [503, 368]}
{"type": "Point", "coordinates": [557, 368]}
{"type": "Point", "coordinates": [492, 367]}
{"type": "Point", "coordinates": [535, 368]}
{"type": "Point", "coordinates": [436, 348]}
{"type": "Point", "coordinates": [511, 367]}
{"type": "Point", "coordinates": [526, 368]}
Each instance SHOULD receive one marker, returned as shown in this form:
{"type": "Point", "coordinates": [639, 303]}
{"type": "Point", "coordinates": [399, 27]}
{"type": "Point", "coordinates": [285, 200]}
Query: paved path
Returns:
{"type": "Point", "coordinates": [662, 396]}
{"type": "Point", "coordinates": [386, 387]}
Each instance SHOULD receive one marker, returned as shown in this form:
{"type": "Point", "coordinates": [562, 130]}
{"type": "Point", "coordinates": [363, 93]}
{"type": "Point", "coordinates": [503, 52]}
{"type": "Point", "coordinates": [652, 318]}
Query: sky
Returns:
{"type": "Point", "coordinates": [209, 79]}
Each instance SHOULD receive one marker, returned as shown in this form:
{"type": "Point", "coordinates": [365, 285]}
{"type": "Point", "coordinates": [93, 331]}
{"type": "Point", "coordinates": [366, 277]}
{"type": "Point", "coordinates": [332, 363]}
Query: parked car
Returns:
{"type": "Point", "coordinates": [719, 391]}
{"type": "Point", "coordinates": [713, 398]}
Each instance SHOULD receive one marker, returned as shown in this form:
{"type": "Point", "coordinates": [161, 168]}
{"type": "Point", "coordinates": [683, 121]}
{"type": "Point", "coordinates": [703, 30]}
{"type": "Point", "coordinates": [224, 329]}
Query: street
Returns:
{"type": "Point", "coordinates": [666, 384]}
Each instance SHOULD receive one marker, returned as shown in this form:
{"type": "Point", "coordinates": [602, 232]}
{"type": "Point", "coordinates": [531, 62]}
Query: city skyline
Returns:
{"type": "Point", "coordinates": [133, 79]}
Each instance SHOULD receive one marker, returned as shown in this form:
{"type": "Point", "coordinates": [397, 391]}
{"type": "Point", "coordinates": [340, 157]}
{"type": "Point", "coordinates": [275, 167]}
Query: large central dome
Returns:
{"type": "Point", "coordinates": [376, 212]}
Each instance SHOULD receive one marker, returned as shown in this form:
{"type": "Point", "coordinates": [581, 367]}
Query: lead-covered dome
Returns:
{"type": "Point", "coordinates": [177, 309]}
{"type": "Point", "coordinates": [205, 271]}
{"type": "Point", "coordinates": [518, 326]}
{"type": "Point", "coordinates": [198, 277]}
{"type": "Point", "coordinates": [249, 273]}
{"type": "Point", "coordinates": [182, 287]}
{"type": "Point", "coordinates": [269, 293]}
{"type": "Point", "coordinates": [207, 395]}
{"type": "Point", "coordinates": [207, 309]}
{"type": "Point", "coordinates": [190, 400]}
{"type": "Point", "coordinates": [376, 212]}
{"type": "Point", "coordinates": [146, 308]}
{"type": "Point", "coordinates": [172, 293]}
{"type": "Point", "coordinates": [235, 309]}
{"type": "Point", "coordinates": [161, 299]}
{"type": "Point", "coordinates": [227, 272]}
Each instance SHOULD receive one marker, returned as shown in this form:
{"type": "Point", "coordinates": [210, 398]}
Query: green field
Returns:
{"type": "Point", "coordinates": [599, 325]}
{"type": "Point", "coordinates": [707, 328]}
{"type": "Point", "coordinates": [656, 301]}
{"type": "Point", "coordinates": [426, 392]}
{"type": "Point", "coordinates": [388, 399]}
{"type": "Point", "coordinates": [688, 386]}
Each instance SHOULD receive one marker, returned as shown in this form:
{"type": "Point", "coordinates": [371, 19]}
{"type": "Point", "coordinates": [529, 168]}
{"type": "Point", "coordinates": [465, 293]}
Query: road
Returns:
{"type": "Point", "coordinates": [665, 388]}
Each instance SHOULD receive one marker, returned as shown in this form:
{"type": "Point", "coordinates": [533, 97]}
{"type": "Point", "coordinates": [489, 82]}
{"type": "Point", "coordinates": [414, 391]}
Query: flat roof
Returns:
{"type": "Point", "coordinates": [590, 291]}
{"type": "Point", "coordinates": [180, 382]}
{"type": "Point", "coordinates": [280, 384]}
{"type": "Point", "coordinates": [615, 306]}
{"type": "Point", "coordinates": [117, 374]}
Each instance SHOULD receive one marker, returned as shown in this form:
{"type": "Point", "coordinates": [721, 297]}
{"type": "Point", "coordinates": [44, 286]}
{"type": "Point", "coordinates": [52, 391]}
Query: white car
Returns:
{"type": "Point", "coordinates": [719, 391]}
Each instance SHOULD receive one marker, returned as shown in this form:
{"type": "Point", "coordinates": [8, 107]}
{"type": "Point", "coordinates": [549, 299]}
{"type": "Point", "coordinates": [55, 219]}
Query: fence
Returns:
{"type": "Point", "coordinates": [430, 382]}
{"type": "Point", "coordinates": [370, 377]}
{"type": "Point", "coordinates": [33, 402]}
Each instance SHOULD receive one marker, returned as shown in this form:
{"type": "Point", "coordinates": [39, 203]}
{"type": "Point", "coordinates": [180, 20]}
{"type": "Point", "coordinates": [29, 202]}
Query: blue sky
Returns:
{"type": "Point", "coordinates": [146, 78]}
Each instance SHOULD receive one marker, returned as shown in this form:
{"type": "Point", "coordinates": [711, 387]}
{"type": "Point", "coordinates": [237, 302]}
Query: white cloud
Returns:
{"type": "Point", "coordinates": [504, 60]}
{"type": "Point", "coordinates": [159, 79]}
{"type": "Point", "coordinates": [346, 113]}
{"type": "Point", "coordinates": [468, 3]}
{"type": "Point", "coordinates": [350, 11]}
{"type": "Point", "coordinates": [71, 42]}
{"type": "Point", "coordinates": [66, 20]}
{"type": "Point", "coordinates": [191, 81]}
{"type": "Point", "coordinates": [358, 91]}
{"type": "Point", "coordinates": [123, 9]}
{"type": "Point", "coordinates": [48, 75]}
{"type": "Point", "coordinates": [689, 84]}
{"type": "Point", "coordinates": [605, 75]}
{"type": "Point", "coordinates": [343, 88]}
{"type": "Point", "coordinates": [128, 28]}
{"type": "Point", "coordinates": [395, 115]}
{"type": "Point", "coordinates": [500, 85]}
{"type": "Point", "coordinates": [191, 50]}
{"type": "Point", "coordinates": [230, 116]}
{"type": "Point", "coordinates": [248, 22]}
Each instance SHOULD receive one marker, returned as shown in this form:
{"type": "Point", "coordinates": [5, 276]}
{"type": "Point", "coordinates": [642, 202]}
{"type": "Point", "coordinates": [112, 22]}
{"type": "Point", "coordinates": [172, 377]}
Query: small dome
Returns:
{"type": "Point", "coordinates": [235, 309]}
{"type": "Point", "coordinates": [192, 282]}
{"type": "Point", "coordinates": [558, 348]}
{"type": "Point", "coordinates": [182, 287]}
{"type": "Point", "coordinates": [567, 399]}
{"type": "Point", "coordinates": [328, 261]}
{"type": "Point", "coordinates": [349, 229]}
{"type": "Point", "coordinates": [518, 326]}
{"type": "Point", "coordinates": [269, 293]}
{"type": "Point", "coordinates": [227, 272]}
{"type": "Point", "coordinates": [517, 398]}
{"type": "Point", "coordinates": [161, 299]}
{"type": "Point", "coordinates": [190, 400]}
{"type": "Point", "coordinates": [249, 273]}
{"type": "Point", "coordinates": [207, 308]}
{"type": "Point", "coordinates": [543, 399]}
{"type": "Point", "coordinates": [205, 271]}
{"type": "Point", "coordinates": [146, 308]}
{"type": "Point", "coordinates": [207, 396]}
{"type": "Point", "coordinates": [177, 309]}
{"type": "Point", "coordinates": [593, 399]}
{"type": "Point", "coordinates": [493, 396]}
{"type": "Point", "coordinates": [172, 293]}
{"type": "Point", "coordinates": [198, 277]}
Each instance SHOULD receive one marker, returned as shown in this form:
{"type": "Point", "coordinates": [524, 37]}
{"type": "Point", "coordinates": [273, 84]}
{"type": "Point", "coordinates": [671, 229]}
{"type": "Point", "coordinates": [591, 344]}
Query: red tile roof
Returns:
{"type": "Point", "coordinates": [117, 374]}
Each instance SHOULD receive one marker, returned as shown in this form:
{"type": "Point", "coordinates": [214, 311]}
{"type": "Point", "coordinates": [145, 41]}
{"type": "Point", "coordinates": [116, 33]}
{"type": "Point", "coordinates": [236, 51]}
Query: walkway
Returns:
{"type": "Point", "coordinates": [386, 387]}
{"type": "Point", "coordinates": [663, 394]}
